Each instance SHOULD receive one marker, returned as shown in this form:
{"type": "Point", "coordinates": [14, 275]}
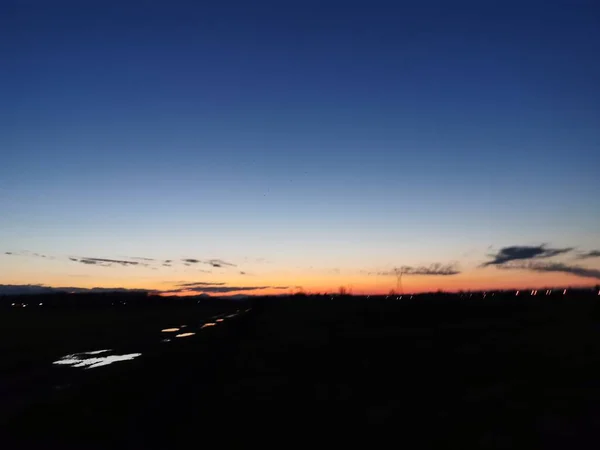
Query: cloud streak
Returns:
{"type": "Point", "coordinates": [524, 252]}
{"type": "Point", "coordinates": [219, 263]}
{"type": "Point", "coordinates": [20, 289]}
{"type": "Point", "coordinates": [105, 262]}
{"type": "Point", "coordinates": [199, 284]}
{"type": "Point", "coordinates": [579, 271]}
{"type": "Point", "coordinates": [590, 254]}
{"type": "Point", "coordinates": [431, 270]}
{"type": "Point", "coordinates": [218, 289]}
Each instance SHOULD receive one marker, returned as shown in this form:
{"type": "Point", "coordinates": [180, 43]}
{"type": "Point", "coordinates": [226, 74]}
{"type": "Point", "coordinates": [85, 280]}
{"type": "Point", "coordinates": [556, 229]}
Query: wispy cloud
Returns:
{"type": "Point", "coordinates": [219, 263]}
{"type": "Point", "coordinates": [199, 284]}
{"type": "Point", "coordinates": [138, 261]}
{"type": "Point", "coordinates": [524, 252]}
{"type": "Point", "coordinates": [217, 289]}
{"type": "Point", "coordinates": [553, 267]}
{"type": "Point", "coordinates": [433, 269]}
{"type": "Point", "coordinates": [106, 262]}
{"type": "Point", "coordinates": [590, 254]}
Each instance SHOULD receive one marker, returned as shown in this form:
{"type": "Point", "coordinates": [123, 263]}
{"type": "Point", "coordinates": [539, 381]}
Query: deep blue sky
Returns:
{"type": "Point", "coordinates": [351, 133]}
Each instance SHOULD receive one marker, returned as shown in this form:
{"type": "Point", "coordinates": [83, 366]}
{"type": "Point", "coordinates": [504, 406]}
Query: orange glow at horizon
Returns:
{"type": "Point", "coordinates": [308, 281]}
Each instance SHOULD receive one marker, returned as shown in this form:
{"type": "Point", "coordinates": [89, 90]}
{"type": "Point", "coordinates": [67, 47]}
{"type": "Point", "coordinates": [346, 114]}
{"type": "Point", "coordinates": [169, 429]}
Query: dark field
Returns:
{"type": "Point", "coordinates": [443, 371]}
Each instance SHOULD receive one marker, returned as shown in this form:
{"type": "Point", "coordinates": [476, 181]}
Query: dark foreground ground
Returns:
{"type": "Point", "coordinates": [438, 372]}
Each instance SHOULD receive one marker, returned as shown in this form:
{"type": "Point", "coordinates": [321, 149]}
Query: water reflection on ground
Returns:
{"type": "Point", "coordinates": [90, 360]}
{"type": "Point", "coordinates": [169, 330]}
{"type": "Point", "coordinates": [181, 335]}
{"type": "Point", "coordinates": [209, 324]}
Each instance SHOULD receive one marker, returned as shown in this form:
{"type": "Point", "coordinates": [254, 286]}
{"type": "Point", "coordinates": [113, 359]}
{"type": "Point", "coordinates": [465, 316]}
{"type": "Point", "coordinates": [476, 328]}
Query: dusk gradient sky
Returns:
{"type": "Point", "coordinates": [308, 143]}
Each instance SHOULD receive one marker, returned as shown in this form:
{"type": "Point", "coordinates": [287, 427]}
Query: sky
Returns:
{"type": "Point", "coordinates": [304, 143]}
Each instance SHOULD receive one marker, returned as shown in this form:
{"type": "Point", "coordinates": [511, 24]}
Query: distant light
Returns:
{"type": "Point", "coordinates": [220, 320]}
{"type": "Point", "coordinates": [24, 305]}
{"type": "Point", "coordinates": [565, 292]}
{"type": "Point", "coordinates": [532, 292]}
{"type": "Point", "coordinates": [184, 335]}
{"type": "Point", "coordinates": [12, 304]}
{"type": "Point", "coordinates": [169, 330]}
{"type": "Point", "coordinates": [209, 324]}
{"type": "Point", "coordinates": [41, 304]}
{"type": "Point", "coordinates": [517, 293]}
{"type": "Point", "coordinates": [182, 326]}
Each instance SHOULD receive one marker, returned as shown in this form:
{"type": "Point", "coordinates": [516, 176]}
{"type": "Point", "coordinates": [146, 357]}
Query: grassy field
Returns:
{"type": "Point", "coordinates": [432, 373]}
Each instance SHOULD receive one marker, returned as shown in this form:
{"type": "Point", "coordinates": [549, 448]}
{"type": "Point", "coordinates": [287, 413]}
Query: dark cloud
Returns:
{"type": "Point", "coordinates": [590, 254]}
{"type": "Point", "coordinates": [523, 252]}
{"type": "Point", "coordinates": [20, 289]}
{"type": "Point", "coordinates": [167, 261]}
{"type": "Point", "coordinates": [242, 272]}
{"type": "Point", "coordinates": [73, 259]}
{"type": "Point", "coordinates": [215, 289]}
{"type": "Point", "coordinates": [107, 262]}
{"type": "Point", "coordinates": [219, 263]}
{"type": "Point", "coordinates": [191, 260]}
{"type": "Point", "coordinates": [166, 265]}
{"type": "Point", "coordinates": [553, 267]}
{"type": "Point", "coordinates": [200, 283]}
{"type": "Point", "coordinates": [8, 253]}
{"type": "Point", "coordinates": [433, 269]}
{"type": "Point", "coordinates": [139, 258]}
{"type": "Point", "coordinates": [87, 261]}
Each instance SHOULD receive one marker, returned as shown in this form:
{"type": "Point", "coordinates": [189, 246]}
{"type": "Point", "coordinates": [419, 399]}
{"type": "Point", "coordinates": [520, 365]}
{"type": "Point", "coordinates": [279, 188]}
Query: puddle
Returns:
{"type": "Point", "coordinates": [220, 320]}
{"type": "Point", "coordinates": [95, 352]}
{"type": "Point", "coordinates": [89, 360]}
{"type": "Point", "coordinates": [230, 316]}
{"type": "Point", "coordinates": [169, 330]}
{"type": "Point", "coordinates": [184, 335]}
{"type": "Point", "coordinates": [166, 340]}
{"type": "Point", "coordinates": [182, 326]}
{"type": "Point", "coordinates": [209, 324]}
